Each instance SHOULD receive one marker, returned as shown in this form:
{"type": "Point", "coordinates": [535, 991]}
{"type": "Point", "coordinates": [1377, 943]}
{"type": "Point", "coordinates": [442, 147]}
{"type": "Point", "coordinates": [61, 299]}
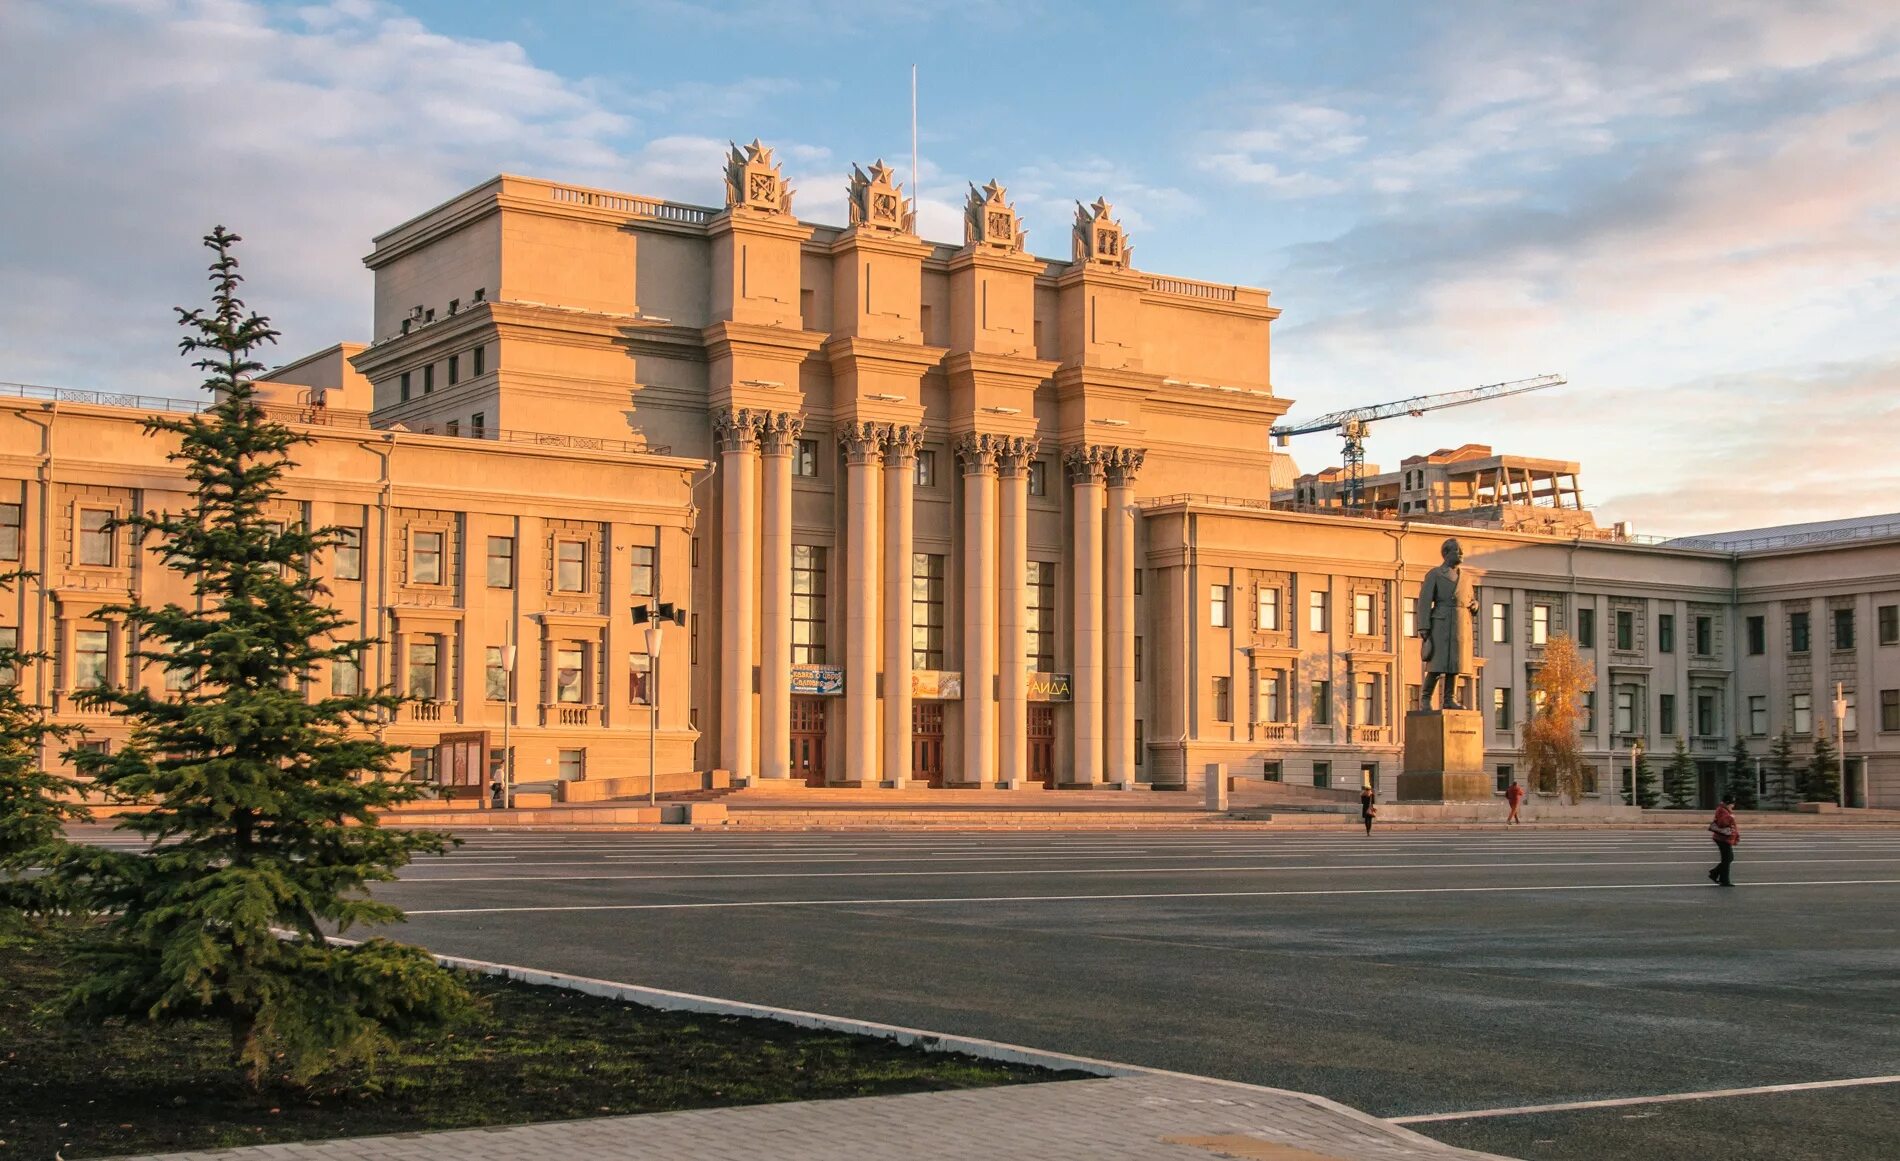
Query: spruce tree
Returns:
{"type": "Point", "coordinates": [1781, 772]}
{"type": "Point", "coordinates": [1679, 780]}
{"type": "Point", "coordinates": [1741, 776]}
{"type": "Point", "coordinates": [1821, 781]}
{"type": "Point", "coordinates": [1646, 796]}
{"type": "Point", "coordinates": [258, 797]}
{"type": "Point", "coordinates": [35, 803]}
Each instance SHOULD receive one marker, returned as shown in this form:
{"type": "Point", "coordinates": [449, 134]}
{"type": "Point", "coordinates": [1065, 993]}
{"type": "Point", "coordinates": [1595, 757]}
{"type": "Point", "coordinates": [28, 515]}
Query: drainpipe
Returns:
{"type": "Point", "coordinates": [42, 679]}
{"type": "Point", "coordinates": [383, 450]}
{"type": "Point", "coordinates": [1394, 697]}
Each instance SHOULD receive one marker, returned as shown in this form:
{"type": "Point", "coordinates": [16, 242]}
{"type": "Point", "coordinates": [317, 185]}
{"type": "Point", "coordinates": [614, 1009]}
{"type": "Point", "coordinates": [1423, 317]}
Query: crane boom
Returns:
{"type": "Point", "coordinates": [1352, 422]}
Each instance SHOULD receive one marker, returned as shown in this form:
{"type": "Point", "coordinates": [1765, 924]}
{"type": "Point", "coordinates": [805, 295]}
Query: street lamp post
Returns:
{"type": "Point", "coordinates": [1636, 758]}
{"type": "Point", "coordinates": [1840, 745]}
{"type": "Point", "coordinates": [653, 703]}
{"type": "Point", "coordinates": [508, 653]}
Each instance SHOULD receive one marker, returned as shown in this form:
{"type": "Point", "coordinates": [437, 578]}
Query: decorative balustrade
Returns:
{"type": "Point", "coordinates": [425, 711]}
{"type": "Point", "coordinates": [569, 714]}
{"type": "Point", "coordinates": [1372, 735]}
{"type": "Point", "coordinates": [1190, 288]}
{"type": "Point", "coordinates": [1276, 731]}
{"type": "Point", "coordinates": [664, 211]}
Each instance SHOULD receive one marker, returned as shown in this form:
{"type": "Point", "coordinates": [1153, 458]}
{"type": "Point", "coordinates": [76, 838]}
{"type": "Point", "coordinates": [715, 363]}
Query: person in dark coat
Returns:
{"type": "Point", "coordinates": [1726, 834]}
{"type": "Point", "coordinates": [1367, 811]}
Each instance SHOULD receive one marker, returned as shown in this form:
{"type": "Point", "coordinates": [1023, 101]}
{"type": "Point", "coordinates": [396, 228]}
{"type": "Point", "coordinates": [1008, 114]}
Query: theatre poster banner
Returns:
{"type": "Point", "coordinates": [817, 680]}
{"type": "Point", "coordinates": [1050, 687]}
{"type": "Point", "coordinates": [936, 685]}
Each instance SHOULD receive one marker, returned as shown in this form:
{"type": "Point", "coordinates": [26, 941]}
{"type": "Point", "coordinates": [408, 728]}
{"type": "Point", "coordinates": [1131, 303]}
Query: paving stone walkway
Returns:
{"type": "Point", "coordinates": [1128, 1118]}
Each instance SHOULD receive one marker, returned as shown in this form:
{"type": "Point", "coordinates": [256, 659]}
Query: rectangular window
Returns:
{"type": "Point", "coordinates": [570, 566]}
{"type": "Point", "coordinates": [1322, 703]}
{"type": "Point", "coordinates": [808, 605]}
{"type": "Point", "coordinates": [1705, 636]}
{"type": "Point", "coordinates": [95, 537]}
{"type": "Point", "coordinates": [1803, 715]}
{"type": "Point", "coordinates": [454, 427]}
{"type": "Point", "coordinates": [573, 767]}
{"type": "Point", "coordinates": [10, 515]}
{"type": "Point", "coordinates": [1322, 774]}
{"type": "Point", "coordinates": [1590, 711]}
{"type": "Point", "coordinates": [1797, 632]}
{"type": "Point", "coordinates": [1889, 710]}
{"type": "Point", "coordinates": [1267, 607]}
{"type": "Point", "coordinates": [1217, 606]}
{"type": "Point", "coordinates": [1141, 747]}
{"type": "Point", "coordinates": [422, 765]}
{"type": "Point", "coordinates": [1889, 614]}
{"type": "Point", "coordinates": [926, 610]}
{"type": "Point", "coordinates": [349, 554]}
{"type": "Point", "coordinates": [644, 572]}
{"type": "Point", "coordinates": [1625, 709]}
{"type": "Point", "coordinates": [1501, 707]}
{"type": "Point", "coordinates": [92, 658]}
{"type": "Point", "coordinates": [1223, 699]}
{"type": "Point", "coordinates": [455, 369]}
{"type": "Point", "coordinates": [478, 425]}
{"type": "Point", "coordinates": [1365, 619]}
{"type": "Point", "coordinates": [1501, 622]}
{"type": "Point", "coordinates": [1843, 628]}
{"type": "Point", "coordinates": [1540, 624]}
{"type": "Point", "coordinates": [570, 674]}
{"type": "Point", "coordinates": [1366, 702]}
{"type": "Point", "coordinates": [1138, 657]}
{"type": "Point", "coordinates": [1507, 774]}
{"type": "Point", "coordinates": [1273, 696]}
{"type": "Point", "coordinates": [1705, 715]}
{"type": "Point", "coordinates": [1758, 715]}
{"type": "Point", "coordinates": [478, 359]}
{"type": "Point", "coordinates": [423, 668]}
{"type": "Point", "coordinates": [926, 468]}
{"type": "Point", "coordinates": [1665, 632]}
{"type": "Point", "coordinates": [805, 460]}
{"type": "Point", "coordinates": [346, 677]}
{"type": "Point", "coordinates": [640, 678]}
{"type": "Point", "coordinates": [1411, 616]}
{"type": "Point", "coordinates": [1626, 629]}
{"type": "Point", "coordinates": [1850, 714]}
{"type": "Point", "coordinates": [1316, 612]}
{"type": "Point", "coordinates": [428, 378]}
{"type": "Point", "coordinates": [495, 674]}
{"type": "Point", "coordinates": [9, 656]}
{"type": "Point", "coordinates": [1138, 573]}
{"type": "Point", "coordinates": [1757, 636]}
{"type": "Point", "coordinates": [1038, 478]}
{"type": "Point", "coordinates": [1272, 770]}
{"type": "Point", "coordinates": [425, 558]}
{"type": "Point", "coordinates": [404, 388]}
{"type": "Point", "coordinates": [501, 562]}
{"type": "Point", "coordinates": [1586, 628]}
{"type": "Point", "coordinates": [1042, 615]}
{"type": "Point", "coordinates": [1666, 714]}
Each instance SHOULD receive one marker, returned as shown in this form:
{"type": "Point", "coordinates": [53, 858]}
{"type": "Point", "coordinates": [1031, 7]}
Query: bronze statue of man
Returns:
{"type": "Point", "coordinates": [1446, 606]}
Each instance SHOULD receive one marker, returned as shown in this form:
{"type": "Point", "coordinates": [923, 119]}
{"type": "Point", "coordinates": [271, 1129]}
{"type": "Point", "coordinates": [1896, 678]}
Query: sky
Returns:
{"type": "Point", "coordinates": [1689, 210]}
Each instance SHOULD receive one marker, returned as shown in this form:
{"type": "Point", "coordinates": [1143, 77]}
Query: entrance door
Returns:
{"type": "Point", "coordinates": [461, 762]}
{"type": "Point", "coordinates": [926, 742]}
{"type": "Point", "coordinates": [1042, 744]}
{"type": "Point", "coordinates": [808, 740]}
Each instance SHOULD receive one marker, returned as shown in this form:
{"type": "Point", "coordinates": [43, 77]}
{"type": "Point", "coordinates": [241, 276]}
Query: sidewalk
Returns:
{"type": "Point", "coordinates": [1153, 1117]}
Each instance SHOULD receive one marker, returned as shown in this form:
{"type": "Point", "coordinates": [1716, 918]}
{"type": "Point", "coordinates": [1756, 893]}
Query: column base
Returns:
{"type": "Point", "coordinates": [895, 784]}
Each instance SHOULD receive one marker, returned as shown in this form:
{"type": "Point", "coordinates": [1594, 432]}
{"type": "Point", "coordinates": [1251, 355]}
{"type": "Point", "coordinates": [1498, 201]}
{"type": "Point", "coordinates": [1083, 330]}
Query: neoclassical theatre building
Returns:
{"type": "Point", "coordinates": [944, 514]}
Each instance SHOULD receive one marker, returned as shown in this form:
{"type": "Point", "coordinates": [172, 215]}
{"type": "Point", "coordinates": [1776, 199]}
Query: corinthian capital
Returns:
{"type": "Point", "coordinates": [978, 451]}
{"type": "Point", "coordinates": [738, 429]}
{"type": "Point", "coordinates": [1016, 454]}
{"type": "Point", "coordinates": [1123, 464]}
{"type": "Point", "coordinates": [780, 433]}
{"type": "Point", "coordinates": [901, 442]}
{"type": "Point", "coordinates": [862, 441]}
{"type": "Point", "coordinates": [1087, 463]}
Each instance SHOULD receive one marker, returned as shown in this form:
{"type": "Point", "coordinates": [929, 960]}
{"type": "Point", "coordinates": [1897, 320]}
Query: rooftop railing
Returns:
{"type": "Point", "coordinates": [102, 398]}
{"type": "Point", "coordinates": [1191, 288]}
{"type": "Point", "coordinates": [1787, 539]}
{"type": "Point", "coordinates": [664, 211]}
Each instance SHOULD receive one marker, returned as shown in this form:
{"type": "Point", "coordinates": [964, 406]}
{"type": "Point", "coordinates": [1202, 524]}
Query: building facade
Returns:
{"type": "Point", "coordinates": [939, 514]}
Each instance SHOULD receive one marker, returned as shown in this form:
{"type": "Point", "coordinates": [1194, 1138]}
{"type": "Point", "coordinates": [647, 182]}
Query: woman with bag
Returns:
{"type": "Point", "coordinates": [1726, 835]}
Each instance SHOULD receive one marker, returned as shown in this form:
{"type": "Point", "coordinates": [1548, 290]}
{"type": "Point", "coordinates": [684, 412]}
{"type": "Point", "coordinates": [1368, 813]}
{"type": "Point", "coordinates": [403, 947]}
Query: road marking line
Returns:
{"type": "Point", "coordinates": [1114, 898]}
{"type": "Point", "coordinates": [1666, 1098]}
{"type": "Point", "coordinates": [697, 876]}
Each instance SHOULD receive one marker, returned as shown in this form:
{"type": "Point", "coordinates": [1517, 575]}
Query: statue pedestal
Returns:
{"type": "Point", "coordinates": [1444, 757]}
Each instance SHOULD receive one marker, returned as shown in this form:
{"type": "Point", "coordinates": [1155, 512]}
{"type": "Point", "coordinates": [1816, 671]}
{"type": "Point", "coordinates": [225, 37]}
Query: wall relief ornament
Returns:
{"type": "Point", "coordinates": [1099, 239]}
{"type": "Point", "coordinates": [990, 221]}
{"type": "Point", "coordinates": [753, 180]}
{"type": "Point", "coordinates": [877, 202]}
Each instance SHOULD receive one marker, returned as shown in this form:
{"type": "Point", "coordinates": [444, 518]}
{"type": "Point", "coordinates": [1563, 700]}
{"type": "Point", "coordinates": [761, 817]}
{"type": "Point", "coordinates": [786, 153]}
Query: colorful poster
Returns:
{"type": "Point", "coordinates": [1050, 687]}
{"type": "Point", "coordinates": [817, 680]}
{"type": "Point", "coordinates": [936, 684]}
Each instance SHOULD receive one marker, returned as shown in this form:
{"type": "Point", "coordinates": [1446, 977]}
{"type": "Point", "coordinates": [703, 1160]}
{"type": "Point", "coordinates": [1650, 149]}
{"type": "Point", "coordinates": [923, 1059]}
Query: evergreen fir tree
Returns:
{"type": "Point", "coordinates": [35, 804]}
{"type": "Point", "coordinates": [1741, 776]}
{"type": "Point", "coordinates": [1822, 777]}
{"type": "Point", "coordinates": [1781, 772]}
{"type": "Point", "coordinates": [1646, 796]}
{"type": "Point", "coordinates": [258, 798]}
{"type": "Point", "coordinates": [1679, 780]}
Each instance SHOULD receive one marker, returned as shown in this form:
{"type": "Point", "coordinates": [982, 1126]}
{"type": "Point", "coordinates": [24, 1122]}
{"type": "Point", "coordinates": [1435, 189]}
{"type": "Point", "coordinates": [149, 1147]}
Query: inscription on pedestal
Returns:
{"type": "Point", "coordinates": [1444, 757]}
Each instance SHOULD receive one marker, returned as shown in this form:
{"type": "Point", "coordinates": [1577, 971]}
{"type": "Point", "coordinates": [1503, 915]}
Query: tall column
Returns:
{"type": "Point", "coordinates": [1118, 586]}
{"type": "Point", "coordinates": [775, 597]}
{"type": "Point", "coordinates": [737, 434]}
{"type": "Point", "coordinates": [1087, 470]}
{"type": "Point", "coordinates": [1012, 701]}
{"type": "Point", "coordinates": [978, 455]}
{"type": "Point", "coordinates": [900, 467]}
{"type": "Point", "coordinates": [862, 443]}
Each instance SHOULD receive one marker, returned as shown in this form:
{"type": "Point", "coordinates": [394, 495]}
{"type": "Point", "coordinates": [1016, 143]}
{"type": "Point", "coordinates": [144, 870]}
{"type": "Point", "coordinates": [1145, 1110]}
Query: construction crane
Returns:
{"type": "Point", "coordinates": [1352, 422]}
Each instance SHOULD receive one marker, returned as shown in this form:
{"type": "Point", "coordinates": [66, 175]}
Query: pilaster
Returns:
{"type": "Point", "coordinates": [779, 439]}
{"type": "Point", "coordinates": [1087, 466]}
{"type": "Point", "coordinates": [900, 465]}
{"type": "Point", "coordinates": [977, 454]}
{"type": "Point", "coordinates": [736, 432]}
{"type": "Point", "coordinates": [1118, 586]}
{"type": "Point", "coordinates": [1012, 701]}
{"type": "Point", "coordinates": [862, 444]}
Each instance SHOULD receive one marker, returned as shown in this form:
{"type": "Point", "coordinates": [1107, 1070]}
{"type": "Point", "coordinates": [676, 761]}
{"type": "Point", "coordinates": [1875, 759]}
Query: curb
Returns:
{"type": "Point", "coordinates": [996, 1050]}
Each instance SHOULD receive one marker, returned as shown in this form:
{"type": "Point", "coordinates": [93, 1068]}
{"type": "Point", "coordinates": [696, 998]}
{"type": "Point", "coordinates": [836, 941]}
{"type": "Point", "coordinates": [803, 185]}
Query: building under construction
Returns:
{"type": "Point", "coordinates": [1469, 485]}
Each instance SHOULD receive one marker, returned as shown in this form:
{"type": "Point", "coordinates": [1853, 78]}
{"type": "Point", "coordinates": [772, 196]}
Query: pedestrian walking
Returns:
{"type": "Point", "coordinates": [1368, 810]}
{"type": "Point", "coordinates": [1726, 834]}
{"type": "Point", "coordinates": [1514, 796]}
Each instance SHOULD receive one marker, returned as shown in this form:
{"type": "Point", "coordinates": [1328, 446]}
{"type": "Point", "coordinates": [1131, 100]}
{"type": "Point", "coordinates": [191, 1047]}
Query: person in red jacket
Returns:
{"type": "Point", "coordinates": [1514, 796]}
{"type": "Point", "coordinates": [1726, 835]}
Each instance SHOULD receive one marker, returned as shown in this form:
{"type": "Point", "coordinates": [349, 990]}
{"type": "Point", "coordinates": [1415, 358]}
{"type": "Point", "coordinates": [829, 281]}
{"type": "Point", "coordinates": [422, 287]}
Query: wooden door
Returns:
{"type": "Point", "coordinates": [1042, 744]}
{"type": "Point", "coordinates": [926, 742]}
{"type": "Point", "coordinates": [808, 740]}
